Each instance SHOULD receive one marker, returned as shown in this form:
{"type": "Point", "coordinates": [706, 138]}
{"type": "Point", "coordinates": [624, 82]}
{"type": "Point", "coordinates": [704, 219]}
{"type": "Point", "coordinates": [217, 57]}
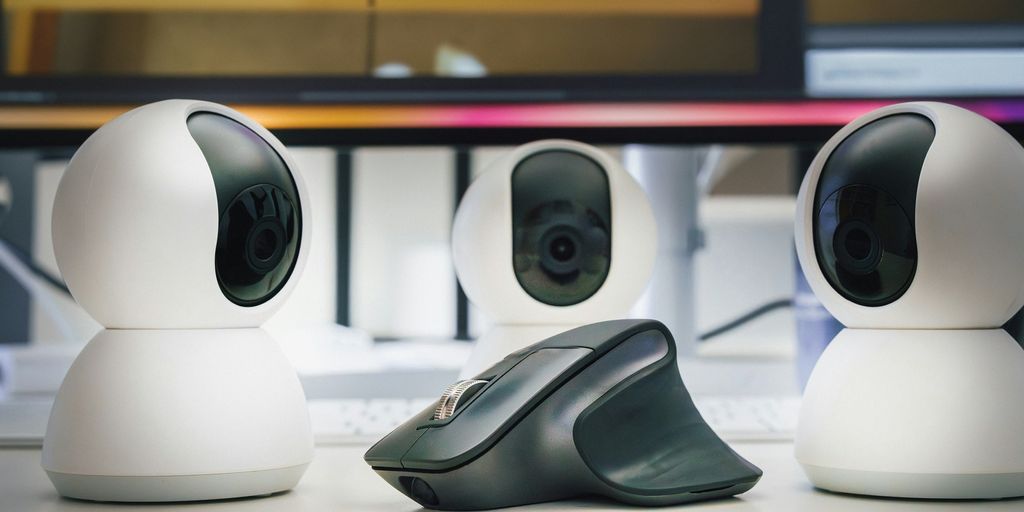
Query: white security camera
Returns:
{"type": "Point", "coordinates": [554, 235]}
{"type": "Point", "coordinates": [909, 230]}
{"type": "Point", "coordinates": [179, 226]}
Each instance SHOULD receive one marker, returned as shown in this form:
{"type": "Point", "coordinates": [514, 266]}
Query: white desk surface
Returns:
{"type": "Point", "coordinates": [339, 480]}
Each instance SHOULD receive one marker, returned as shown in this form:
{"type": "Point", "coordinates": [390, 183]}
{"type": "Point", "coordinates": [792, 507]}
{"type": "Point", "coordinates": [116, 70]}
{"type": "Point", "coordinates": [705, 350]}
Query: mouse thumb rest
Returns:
{"type": "Point", "coordinates": [646, 439]}
{"type": "Point", "coordinates": [607, 414]}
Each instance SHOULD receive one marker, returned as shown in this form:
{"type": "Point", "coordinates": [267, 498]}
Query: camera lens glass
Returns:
{"type": "Point", "coordinates": [264, 244]}
{"type": "Point", "coordinates": [857, 247]}
{"type": "Point", "coordinates": [258, 234]}
{"type": "Point", "coordinates": [562, 248]}
{"type": "Point", "coordinates": [866, 245]}
{"type": "Point", "coordinates": [563, 252]}
{"type": "Point", "coordinates": [858, 244]}
{"type": "Point", "coordinates": [557, 249]}
{"type": "Point", "coordinates": [260, 221]}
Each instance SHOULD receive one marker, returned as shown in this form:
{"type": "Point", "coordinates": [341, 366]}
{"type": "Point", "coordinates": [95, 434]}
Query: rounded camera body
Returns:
{"type": "Point", "coordinates": [908, 232]}
{"type": "Point", "coordinates": [554, 234]}
{"type": "Point", "coordinates": [180, 214]}
{"type": "Point", "coordinates": [179, 226]}
{"type": "Point", "coordinates": [909, 211]}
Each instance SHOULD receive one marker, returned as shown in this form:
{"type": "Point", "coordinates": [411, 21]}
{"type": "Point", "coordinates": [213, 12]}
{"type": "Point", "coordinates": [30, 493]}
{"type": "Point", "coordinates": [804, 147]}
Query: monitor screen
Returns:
{"type": "Point", "coordinates": [411, 51]}
{"type": "Point", "coordinates": [383, 38]}
{"type": "Point", "coordinates": [907, 48]}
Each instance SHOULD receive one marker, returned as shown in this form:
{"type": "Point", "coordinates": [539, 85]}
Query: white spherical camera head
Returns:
{"type": "Point", "coordinates": [553, 235]}
{"type": "Point", "coordinates": [555, 232]}
{"type": "Point", "coordinates": [179, 226]}
{"type": "Point", "coordinates": [181, 214]}
{"type": "Point", "coordinates": [904, 220]}
{"type": "Point", "coordinates": [908, 230]}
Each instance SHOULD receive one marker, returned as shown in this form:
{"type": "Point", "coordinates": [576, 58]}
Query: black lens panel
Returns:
{"type": "Point", "coordinates": [260, 216]}
{"type": "Point", "coordinates": [561, 214]}
{"type": "Point", "coordinates": [562, 254]}
{"type": "Point", "coordinates": [257, 234]}
{"type": "Point", "coordinates": [864, 208]}
{"type": "Point", "coordinates": [866, 245]}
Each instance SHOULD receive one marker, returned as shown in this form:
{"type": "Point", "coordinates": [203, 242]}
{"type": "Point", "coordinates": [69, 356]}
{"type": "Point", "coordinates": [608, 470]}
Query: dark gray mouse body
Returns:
{"type": "Point", "coordinates": [597, 410]}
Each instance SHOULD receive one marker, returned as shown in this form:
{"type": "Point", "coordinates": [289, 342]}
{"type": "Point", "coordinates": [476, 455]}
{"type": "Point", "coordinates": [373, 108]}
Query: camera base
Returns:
{"type": "Point", "coordinates": [176, 488]}
{"type": "Point", "coordinates": [916, 414]}
{"type": "Point", "coordinates": [178, 415]}
{"type": "Point", "coordinates": [917, 485]}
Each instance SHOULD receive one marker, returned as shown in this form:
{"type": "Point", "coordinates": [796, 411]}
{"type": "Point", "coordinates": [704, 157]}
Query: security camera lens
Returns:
{"type": "Point", "coordinates": [865, 245]}
{"type": "Point", "coordinates": [858, 249]}
{"type": "Point", "coordinates": [264, 244]}
{"type": "Point", "coordinates": [562, 253]}
{"type": "Point", "coordinates": [562, 248]}
{"type": "Point", "coordinates": [858, 244]}
{"type": "Point", "coordinates": [559, 252]}
{"type": "Point", "coordinates": [258, 243]}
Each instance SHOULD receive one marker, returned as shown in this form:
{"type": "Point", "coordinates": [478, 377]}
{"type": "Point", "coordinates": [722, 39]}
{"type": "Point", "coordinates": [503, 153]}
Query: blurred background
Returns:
{"type": "Point", "coordinates": [393, 106]}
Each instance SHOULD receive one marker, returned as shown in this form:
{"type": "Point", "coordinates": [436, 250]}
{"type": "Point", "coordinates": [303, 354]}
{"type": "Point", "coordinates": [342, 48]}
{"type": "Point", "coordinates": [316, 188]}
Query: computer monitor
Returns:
{"type": "Point", "coordinates": [400, 51]}
{"type": "Point", "coordinates": [891, 49]}
{"type": "Point", "coordinates": [404, 72]}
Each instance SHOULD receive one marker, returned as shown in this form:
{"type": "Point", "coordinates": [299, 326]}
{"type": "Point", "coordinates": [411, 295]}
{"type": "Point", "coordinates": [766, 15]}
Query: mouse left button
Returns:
{"type": "Point", "coordinates": [499, 405]}
{"type": "Point", "coordinates": [388, 452]}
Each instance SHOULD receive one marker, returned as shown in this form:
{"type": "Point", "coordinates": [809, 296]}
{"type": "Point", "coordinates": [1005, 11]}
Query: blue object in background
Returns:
{"type": "Point", "coordinates": [815, 328]}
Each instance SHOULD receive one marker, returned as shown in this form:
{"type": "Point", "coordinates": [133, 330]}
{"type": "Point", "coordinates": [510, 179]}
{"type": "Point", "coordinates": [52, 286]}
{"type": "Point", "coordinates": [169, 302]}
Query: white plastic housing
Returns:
{"type": "Point", "coordinates": [916, 414]}
{"type": "Point", "coordinates": [920, 398]}
{"type": "Point", "coordinates": [482, 245]}
{"type": "Point", "coordinates": [178, 415]}
{"type": "Point", "coordinates": [135, 223]}
{"type": "Point", "coordinates": [970, 238]}
{"type": "Point", "coordinates": [181, 398]}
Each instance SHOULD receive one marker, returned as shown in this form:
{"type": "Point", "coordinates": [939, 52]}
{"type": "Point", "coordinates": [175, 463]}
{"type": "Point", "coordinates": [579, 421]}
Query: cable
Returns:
{"type": "Point", "coordinates": [38, 271]}
{"type": "Point", "coordinates": [21, 267]}
{"type": "Point", "coordinates": [746, 317]}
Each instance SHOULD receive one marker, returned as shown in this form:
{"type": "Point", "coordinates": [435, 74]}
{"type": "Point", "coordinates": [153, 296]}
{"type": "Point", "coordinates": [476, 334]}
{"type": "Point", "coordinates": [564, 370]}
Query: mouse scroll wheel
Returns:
{"type": "Point", "coordinates": [460, 391]}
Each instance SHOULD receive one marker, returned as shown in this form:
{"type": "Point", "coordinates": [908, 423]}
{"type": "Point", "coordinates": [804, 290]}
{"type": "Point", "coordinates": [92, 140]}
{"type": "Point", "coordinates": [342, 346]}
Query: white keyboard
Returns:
{"type": "Point", "coordinates": [761, 418]}
{"type": "Point", "coordinates": [361, 421]}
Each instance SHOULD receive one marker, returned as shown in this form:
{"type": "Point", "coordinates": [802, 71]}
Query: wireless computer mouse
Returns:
{"type": "Point", "coordinates": [597, 410]}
